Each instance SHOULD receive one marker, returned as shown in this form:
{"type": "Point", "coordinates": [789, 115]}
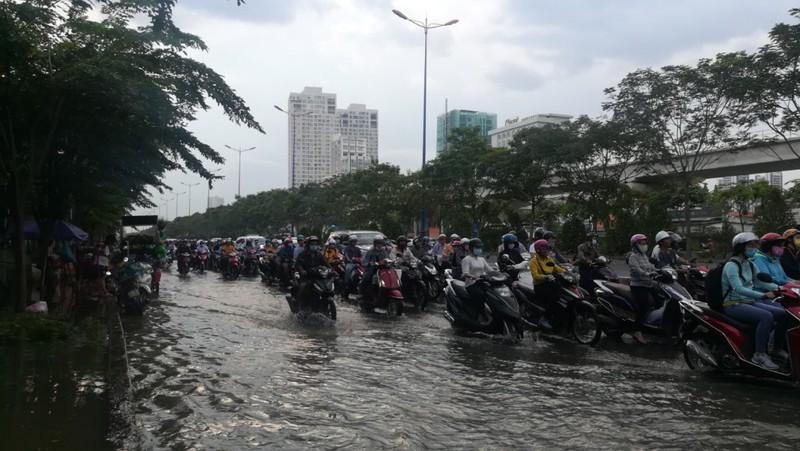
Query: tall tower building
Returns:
{"type": "Point", "coordinates": [325, 141]}
{"type": "Point", "coordinates": [312, 124]}
{"type": "Point", "coordinates": [454, 119]}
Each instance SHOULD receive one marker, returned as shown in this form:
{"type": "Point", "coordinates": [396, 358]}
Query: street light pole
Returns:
{"type": "Point", "coordinates": [177, 195]}
{"type": "Point", "coordinates": [189, 189]}
{"type": "Point", "coordinates": [208, 197]}
{"type": "Point", "coordinates": [425, 26]}
{"type": "Point", "coordinates": [166, 206]}
{"type": "Point", "coordinates": [240, 151]}
{"type": "Point", "coordinates": [293, 116]}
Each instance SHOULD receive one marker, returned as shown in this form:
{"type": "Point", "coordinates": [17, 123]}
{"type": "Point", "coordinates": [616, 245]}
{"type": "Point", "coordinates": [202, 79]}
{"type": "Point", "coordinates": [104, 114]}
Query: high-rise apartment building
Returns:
{"type": "Point", "coordinates": [776, 179]}
{"type": "Point", "coordinates": [454, 119]}
{"type": "Point", "coordinates": [502, 136]}
{"type": "Point", "coordinates": [321, 137]}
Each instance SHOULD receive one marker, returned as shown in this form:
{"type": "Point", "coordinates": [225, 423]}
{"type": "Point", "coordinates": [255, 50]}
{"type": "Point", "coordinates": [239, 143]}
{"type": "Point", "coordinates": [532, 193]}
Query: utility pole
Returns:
{"type": "Point", "coordinates": [240, 151]}
{"type": "Point", "coordinates": [208, 197]}
{"type": "Point", "coordinates": [189, 190]}
{"type": "Point", "coordinates": [177, 196]}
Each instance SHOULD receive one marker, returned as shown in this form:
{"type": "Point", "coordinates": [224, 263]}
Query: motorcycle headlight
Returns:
{"type": "Point", "coordinates": [503, 291]}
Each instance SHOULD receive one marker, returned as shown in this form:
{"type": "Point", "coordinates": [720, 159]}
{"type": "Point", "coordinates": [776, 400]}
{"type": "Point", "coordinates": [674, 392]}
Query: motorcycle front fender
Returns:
{"type": "Point", "coordinates": [393, 293]}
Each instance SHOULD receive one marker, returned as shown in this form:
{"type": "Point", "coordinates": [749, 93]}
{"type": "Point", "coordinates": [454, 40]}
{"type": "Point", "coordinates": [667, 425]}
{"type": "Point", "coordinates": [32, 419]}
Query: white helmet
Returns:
{"type": "Point", "coordinates": [744, 237]}
{"type": "Point", "coordinates": [662, 235]}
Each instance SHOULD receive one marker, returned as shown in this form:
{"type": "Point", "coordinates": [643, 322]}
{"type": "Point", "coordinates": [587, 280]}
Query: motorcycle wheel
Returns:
{"type": "Point", "coordinates": [331, 310]}
{"type": "Point", "coordinates": [586, 326]}
{"type": "Point", "coordinates": [394, 308]}
{"type": "Point", "coordinates": [512, 332]}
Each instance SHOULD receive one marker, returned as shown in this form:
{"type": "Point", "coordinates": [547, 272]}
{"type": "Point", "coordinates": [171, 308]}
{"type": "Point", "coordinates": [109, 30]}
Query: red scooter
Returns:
{"type": "Point", "coordinates": [714, 340]}
{"type": "Point", "coordinates": [231, 268]}
{"type": "Point", "coordinates": [384, 291]}
{"type": "Point", "coordinates": [201, 261]}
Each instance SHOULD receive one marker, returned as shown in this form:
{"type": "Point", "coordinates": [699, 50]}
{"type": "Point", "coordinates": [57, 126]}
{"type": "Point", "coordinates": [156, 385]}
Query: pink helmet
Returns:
{"type": "Point", "coordinates": [638, 237]}
{"type": "Point", "coordinates": [541, 246]}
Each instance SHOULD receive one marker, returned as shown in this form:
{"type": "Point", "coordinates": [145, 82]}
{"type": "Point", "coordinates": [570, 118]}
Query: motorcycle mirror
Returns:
{"type": "Point", "coordinates": [764, 277]}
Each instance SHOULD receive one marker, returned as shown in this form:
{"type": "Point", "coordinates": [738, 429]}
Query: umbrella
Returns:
{"type": "Point", "coordinates": [30, 229]}
{"type": "Point", "coordinates": [63, 231]}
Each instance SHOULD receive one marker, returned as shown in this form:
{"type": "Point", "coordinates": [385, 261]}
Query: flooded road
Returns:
{"type": "Point", "coordinates": [223, 365]}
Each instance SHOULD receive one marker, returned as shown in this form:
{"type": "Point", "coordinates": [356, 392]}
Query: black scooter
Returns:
{"type": "Point", "coordinates": [323, 292]}
{"type": "Point", "coordinates": [498, 314]}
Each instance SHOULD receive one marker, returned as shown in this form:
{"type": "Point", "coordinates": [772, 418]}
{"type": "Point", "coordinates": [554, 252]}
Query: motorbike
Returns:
{"type": "Point", "coordinates": [384, 291]}
{"type": "Point", "coordinates": [498, 314]}
{"type": "Point", "coordinates": [713, 340]}
{"type": "Point", "coordinates": [432, 279]}
{"type": "Point", "coordinates": [355, 279]}
{"type": "Point", "coordinates": [617, 310]}
{"type": "Point", "coordinates": [134, 286]}
{"type": "Point", "coordinates": [201, 261]}
{"type": "Point", "coordinates": [322, 290]}
{"type": "Point", "coordinates": [693, 278]}
{"type": "Point", "coordinates": [184, 261]}
{"type": "Point", "coordinates": [250, 262]}
{"type": "Point", "coordinates": [155, 284]}
{"type": "Point", "coordinates": [413, 286]}
{"type": "Point", "coordinates": [266, 268]}
{"type": "Point", "coordinates": [230, 270]}
{"type": "Point", "coordinates": [576, 318]}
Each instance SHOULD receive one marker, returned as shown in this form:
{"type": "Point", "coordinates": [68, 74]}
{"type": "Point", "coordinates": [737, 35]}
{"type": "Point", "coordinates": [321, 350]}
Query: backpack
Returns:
{"type": "Point", "coordinates": [714, 294]}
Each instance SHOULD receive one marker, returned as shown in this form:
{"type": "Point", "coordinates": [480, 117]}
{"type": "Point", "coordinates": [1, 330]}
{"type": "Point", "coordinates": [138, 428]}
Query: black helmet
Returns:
{"type": "Point", "coordinates": [548, 234]}
{"type": "Point", "coordinates": [344, 238]}
{"type": "Point", "coordinates": [475, 242]}
{"type": "Point", "coordinates": [353, 239]}
{"type": "Point", "coordinates": [378, 241]}
{"type": "Point", "coordinates": [401, 239]}
{"type": "Point", "coordinates": [312, 239]}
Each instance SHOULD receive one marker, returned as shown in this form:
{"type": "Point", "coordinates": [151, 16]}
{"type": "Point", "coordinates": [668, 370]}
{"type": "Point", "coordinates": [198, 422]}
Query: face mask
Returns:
{"type": "Point", "coordinates": [477, 252]}
{"type": "Point", "coordinates": [777, 251]}
{"type": "Point", "coordinates": [643, 248]}
{"type": "Point", "coordinates": [313, 247]}
{"type": "Point", "coordinates": [509, 246]}
{"type": "Point", "coordinates": [750, 252]}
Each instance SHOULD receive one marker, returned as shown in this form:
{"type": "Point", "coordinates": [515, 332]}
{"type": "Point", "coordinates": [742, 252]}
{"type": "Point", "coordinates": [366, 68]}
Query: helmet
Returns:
{"type": "Point", "coordinates": [509, 238]}
{"type": "Point", "coordinates": [638, 237]}
{"type": "Point", "coordinates": [378, 241]}
{"type": "Point", "coordinates": [790, 233]}
{"type": "Point", "coordinates": [771, 239]}
{"type": "Point", "coordinates": [300, 238]}
{"type": "Point", "coordinates": [744, 237]}
{"type": "Point", "coordinates": [287, 240]}
{"type": "Point", "coordinates": [475, 242]}
{"type": "Point", "coordinates": [344, 237]}
{"type": "Point", "coordinates": [441, 236]}
{"type": "Point", "coordinates": [541, 246]}
{"type": "Point", "coordinates": [662, 235]}
{"type": "Point", "coordinates": [276, 241]}
{"type": "Point", "coordinates": [401, 239]}
{"type": "Point", "coordinates": [465, 241]}
{"type": "Point", "coordinates": [353, 239]}
{"type": "Point", "coordinates": [426, 239]}
{"type": "Point", "coordinates": [312, 239]}
{"type": "Point", "coordinates": [675, 237]}
{"type": "Point", "coordinates": [548, 234]}
{"type": "Point", "coordinates": [455, 237]}
{"type": "Point", "coordinates": [538, 233]}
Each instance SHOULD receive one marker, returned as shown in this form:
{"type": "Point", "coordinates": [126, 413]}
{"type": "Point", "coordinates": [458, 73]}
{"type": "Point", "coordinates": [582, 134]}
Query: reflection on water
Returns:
{"type": "Point", "coordinates": [52, 396]}
{"type": "Point", "coordinates": [225, 366]}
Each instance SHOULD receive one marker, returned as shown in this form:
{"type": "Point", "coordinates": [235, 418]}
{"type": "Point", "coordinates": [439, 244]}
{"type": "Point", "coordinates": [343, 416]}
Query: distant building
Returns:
{"type": "Point", "coordinates": [725, 181]}
{"type": "Point", "coordinates": [314, 123]}
{"type": "Point", "coordinates": [454, 119]}
{"type": "Point", "coordinates": [351, 154]}
{"type": "Point", "coordinates": [776, 179]}
{"type": "Point", "coordinates": [355, 143]}
{"type": "Point", "coordinates": [502, 136]}
{"type": "Point", "coordinates": [742, 179]}
{"type": "Point", "coordinates": [215, 201]}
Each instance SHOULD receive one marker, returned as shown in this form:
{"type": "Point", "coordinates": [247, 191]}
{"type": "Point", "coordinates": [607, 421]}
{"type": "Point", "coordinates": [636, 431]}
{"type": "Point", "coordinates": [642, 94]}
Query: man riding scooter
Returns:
{"type": "Point", "coordinates": [309, 260]}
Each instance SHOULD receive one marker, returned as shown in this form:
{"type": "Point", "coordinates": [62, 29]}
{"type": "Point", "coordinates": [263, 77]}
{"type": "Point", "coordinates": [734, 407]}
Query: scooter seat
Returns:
{"type": "Point", "coordinates": [524, 289]}
{"type": "Point", "coordinates": [620, 289]}
{"type": "Point", "coordinates": [744, 327]}
{"type": "Point", "coordinates": [460, 289]}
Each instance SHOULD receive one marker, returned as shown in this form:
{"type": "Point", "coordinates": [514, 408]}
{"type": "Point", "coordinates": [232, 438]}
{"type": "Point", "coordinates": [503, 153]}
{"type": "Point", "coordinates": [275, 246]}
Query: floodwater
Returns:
{"type": "Point", "coordinates": [224, 365]}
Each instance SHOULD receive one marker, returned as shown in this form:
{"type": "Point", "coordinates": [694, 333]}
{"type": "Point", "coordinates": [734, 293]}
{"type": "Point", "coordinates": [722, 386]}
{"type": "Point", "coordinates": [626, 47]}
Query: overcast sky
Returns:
{"type": "Point", "coordinates": [510, 57]}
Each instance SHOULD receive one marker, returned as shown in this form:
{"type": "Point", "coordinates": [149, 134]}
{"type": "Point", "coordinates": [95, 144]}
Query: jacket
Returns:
{"type": "Point", "coordinates": [641, 269]}
{"type": "Point", "coordinates": [308, 260]}
{"type": "Point", "coordinates": [739, 284]}
{"type": "Point", "coordinates": [473, 267]}
{"type": "Point", "coordinates": [543, 267]}
{"type": "Point", "coordinates": [587, 253]}
{"type": "Point", "coordinates": [790, 264]}
{"type": "Point", "coordinates": [404, 257]}
{"type": "Point", "coordinates": [772, 266]}
{"type": "Point", "coordinates": [512, 253]}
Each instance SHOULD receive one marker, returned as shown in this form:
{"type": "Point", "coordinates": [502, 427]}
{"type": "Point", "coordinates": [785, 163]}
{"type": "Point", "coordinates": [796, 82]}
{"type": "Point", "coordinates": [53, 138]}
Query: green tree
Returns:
{"type": "Point", "coordinates": [773, 213]}
{"type": "Point", "coordinates": [106, 100]}
{"type": "Point", "coordinates": [740, 199]}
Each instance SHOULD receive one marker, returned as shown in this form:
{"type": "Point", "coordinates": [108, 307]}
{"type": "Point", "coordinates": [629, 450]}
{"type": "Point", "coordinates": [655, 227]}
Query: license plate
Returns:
{"type": "Point", "coordinates": [133, 293]}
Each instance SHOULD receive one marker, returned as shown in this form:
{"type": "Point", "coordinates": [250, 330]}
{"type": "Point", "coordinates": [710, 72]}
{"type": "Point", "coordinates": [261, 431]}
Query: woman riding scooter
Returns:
{"type": "Point", "coordinates": [543, 266]}
{"type": "Point", "coordinates": [642, 284]}
{"type": "Point", "coordinates": [768, 258]}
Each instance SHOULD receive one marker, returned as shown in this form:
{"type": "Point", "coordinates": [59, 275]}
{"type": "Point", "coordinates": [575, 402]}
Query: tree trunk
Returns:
{"type": "Point", "coordinates": [21, 264]}
{"type": "Point", "coordinates": [687, 216]}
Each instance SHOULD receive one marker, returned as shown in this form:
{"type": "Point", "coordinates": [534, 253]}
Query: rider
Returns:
{"type": "Point", "coordinates": [551, 241]}
{"type": "Point", "coordinates": [587, 254]}
{"type": "Point", "coordinates": [352, 258]}
{"type": "Point", "coordinates": [458, 254]}
{"type": "Point", "coordinates": [789, 260]}
{"type": "Point", "coordinates": [306, 264]}
{"type": "Point", "coordinates": [438, 249]}
{"type": "Point", "coordinates": [421, 247]}
{"type": "Point", "coordinates": [510, 246]}
{"type": "Point", "coordinates": [286, 257]}
{"type": "Point", "coordinates": [664, 252]}
{"type": "Point", "coordinates": [473, 266]}
{"type": "Point", "coordinates": [749, 300]}
{"type": "Point", "coordinates": [642, 283]}
{"type": "Point", "coordinates": [543, 266]}
{"type": "Point", "coordinates": [403, 255]}
{"type": "Point", "coordinates": [767, 259]}
{"type": "Point", "coordinates": [202, 248]}
{"type": "Point", "coordinates": [374, 255]}
{"type": "Point", "coordinates": [332, 255]}
{"type": "Point", "coordinates": [538, 234]}
{"type": "Point", "coordinates": [300, 246]}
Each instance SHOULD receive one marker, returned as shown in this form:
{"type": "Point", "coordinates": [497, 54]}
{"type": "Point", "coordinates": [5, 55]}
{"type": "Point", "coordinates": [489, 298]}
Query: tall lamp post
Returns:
{"type": "Point", "coordinates": [189, 190]}
{"type": "Point", "coordinates": [166, 201]}
{"type": "Point", "coordinates": [425, 26]}
{"type": "Point", "coordinates": [208, 197]}
{"type": "Point", "coordinates": [177, 196]}
{"type": "Point", "coordinates": [240, 151]}
{"type": "Point", "coordinates": [293, 116]}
